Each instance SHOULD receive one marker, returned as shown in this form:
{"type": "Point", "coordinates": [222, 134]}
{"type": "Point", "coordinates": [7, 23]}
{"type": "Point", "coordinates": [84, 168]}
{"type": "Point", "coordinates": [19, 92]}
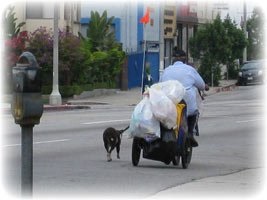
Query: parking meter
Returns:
{"type": "Point", "coordinates": [27, 105]}
{"type": "Point", "coordinates": [27, 109]}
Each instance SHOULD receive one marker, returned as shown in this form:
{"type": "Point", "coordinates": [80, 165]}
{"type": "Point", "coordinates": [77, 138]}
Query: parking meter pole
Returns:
{"type": "Point", "coordinates": [27, 109]}
{"type": "Point", "coordinates": [26, 160]}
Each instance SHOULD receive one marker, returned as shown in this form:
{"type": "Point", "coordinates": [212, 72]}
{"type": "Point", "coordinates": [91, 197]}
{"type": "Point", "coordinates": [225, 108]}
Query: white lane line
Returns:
{"type": "Point", "coordinates": [41, 142]}
{"type": "Point", "coordinates": [51, 141]}
{"type": "Point", "coordinates": [251, 120]}
{"type": "Point", "coordinates": [104, 122]}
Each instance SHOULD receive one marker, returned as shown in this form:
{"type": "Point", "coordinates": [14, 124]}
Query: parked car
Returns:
{"type": "Point", "coordinates": [253, 71]}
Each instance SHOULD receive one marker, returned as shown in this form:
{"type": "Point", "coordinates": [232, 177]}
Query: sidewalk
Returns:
{"type": "Point", "coordinates": [246, 184]}
{"type": "Point", "coordinates": [133, 96]}
{"type": "Point", "coordinates": [108, 98]}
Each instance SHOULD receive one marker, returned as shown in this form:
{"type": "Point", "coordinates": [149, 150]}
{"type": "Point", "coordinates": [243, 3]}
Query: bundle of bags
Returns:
{"type": "Point", "coordinates": [157, 106]}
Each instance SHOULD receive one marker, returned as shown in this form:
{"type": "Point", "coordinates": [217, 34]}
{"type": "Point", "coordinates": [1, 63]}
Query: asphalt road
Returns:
{"type": "Point", "coordinates": [70, 160]}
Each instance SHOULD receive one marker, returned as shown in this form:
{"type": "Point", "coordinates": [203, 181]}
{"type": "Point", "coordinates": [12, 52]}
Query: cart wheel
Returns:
{"type": "Point", "coordinates": [136, 151]}
{"type": "Point", "coordinates": [186, 152]}
{"type": "Point", "coordinates": [186, 148]}
{"type": "Point", "coordinates": [176, 160]}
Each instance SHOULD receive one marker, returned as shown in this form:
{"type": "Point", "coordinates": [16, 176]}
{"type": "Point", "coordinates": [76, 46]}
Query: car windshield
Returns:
{"type": "Point", "coordinates": [251, 65]}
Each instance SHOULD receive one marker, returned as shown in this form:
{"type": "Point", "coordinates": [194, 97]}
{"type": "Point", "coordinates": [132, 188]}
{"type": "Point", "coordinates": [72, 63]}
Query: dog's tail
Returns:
{"type": "Point", "coordinates": [124, 129]}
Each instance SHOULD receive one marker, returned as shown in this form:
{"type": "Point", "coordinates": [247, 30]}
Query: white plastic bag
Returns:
{"type": "Point", "coordinates": [173, 89]}
{"type": "Point", "coordinates": [163, 108]}
{"type": "Point", "coordinates": [143, 122]}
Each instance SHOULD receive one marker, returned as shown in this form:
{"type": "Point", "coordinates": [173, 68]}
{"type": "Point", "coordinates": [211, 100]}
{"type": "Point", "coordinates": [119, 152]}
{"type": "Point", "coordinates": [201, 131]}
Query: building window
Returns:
{"type": "Point", "coordinates": [39, 10]}
{"type": "Point", "coordinates": [168, 46]}
{"type": "Point", "coordinates": [72, 11]}
{"type": "Point", "coordinates": [169, 12]}
{"type": "Point", "coordinates": [67, 11]}
{"type": "Point", "coordinates": [76, 11]}
{"type": "Point", "coordinates": [34, 10]}
{"type": "Point", "coordinates": [168, 21]}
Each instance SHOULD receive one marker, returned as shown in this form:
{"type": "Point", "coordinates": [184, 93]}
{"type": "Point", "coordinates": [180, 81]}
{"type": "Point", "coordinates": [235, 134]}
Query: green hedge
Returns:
{"type": "Point", "coordinates": [69, 91]}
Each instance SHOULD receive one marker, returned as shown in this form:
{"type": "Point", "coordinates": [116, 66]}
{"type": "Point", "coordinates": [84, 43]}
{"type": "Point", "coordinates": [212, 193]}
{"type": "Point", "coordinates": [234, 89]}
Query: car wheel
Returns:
{"type": "Point", "coordinates": [244, 83]}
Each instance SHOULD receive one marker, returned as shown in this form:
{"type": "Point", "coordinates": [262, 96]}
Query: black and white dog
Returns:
{"type": "Point", "coordinates": [112, 139]}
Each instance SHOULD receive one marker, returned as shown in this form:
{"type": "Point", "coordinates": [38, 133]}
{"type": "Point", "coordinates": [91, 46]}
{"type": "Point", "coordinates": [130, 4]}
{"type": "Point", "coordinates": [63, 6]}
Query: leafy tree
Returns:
{"type": "Point", "coordinates": [14, 44]}
{"type": "Point", "coordinates": [255, 28]}
{"type": "Point", "coordinates": [207, 45]}
{"type": "Point", "coordinates": [235, 47]}
{"type": "Point", "coordinates": [215, 44]}
{"type": "Point", "coordinates": [100, 33]}
{"type": "Point", "coordinates": [103, 54]}
{"type": "Point", "coordinates": [11, 28]}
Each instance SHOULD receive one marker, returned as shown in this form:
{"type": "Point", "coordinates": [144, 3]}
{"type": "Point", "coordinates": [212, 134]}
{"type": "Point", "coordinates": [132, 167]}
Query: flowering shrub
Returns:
{"type": "Point", "coordinates": [70, 58]}
{"type": "Point", "coordinates": [71, 69]}
{"type": "Point", "coordinates": [41, 45]}
{"type": "Point", "coordinates": [13, 48]}
{"type": "Point", "coordinates": [96, 60]}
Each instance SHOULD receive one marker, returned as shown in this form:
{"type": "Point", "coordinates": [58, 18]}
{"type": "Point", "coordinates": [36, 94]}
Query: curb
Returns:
{"type": "Point", "coordinates": [65, 107]}
{"type": "Point", "coordinates": [221, 89]}
{"type": "Point", "coordinates": [226, 88]}
{"type": "Point", "coordinates": [48, 108]}
{"type": "Point", "coordinates": [95, 93]}
{"type": "Point", "coordinates": [80, 104]}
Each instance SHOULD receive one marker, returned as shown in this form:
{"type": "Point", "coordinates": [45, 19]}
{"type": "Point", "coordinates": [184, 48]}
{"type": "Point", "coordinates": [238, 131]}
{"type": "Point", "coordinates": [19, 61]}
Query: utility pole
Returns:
{"type": "Point", "coordinates": [245, 29]}
{"type": "Point", "coordinates": [55, 97]}
{"type": "Point", "coordinates": [161, 38]}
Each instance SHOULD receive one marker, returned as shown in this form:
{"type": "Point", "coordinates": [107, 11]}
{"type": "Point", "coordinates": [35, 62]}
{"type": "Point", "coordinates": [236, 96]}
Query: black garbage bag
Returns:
{"type": "Point", "coordinates": [162, 149]}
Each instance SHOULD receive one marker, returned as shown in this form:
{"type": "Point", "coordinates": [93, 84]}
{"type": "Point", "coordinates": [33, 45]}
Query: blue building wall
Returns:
{"type": "Point", "coordinates": [135, 63]}
{"type": "Point", "coordinates": [153, 60]}
{"type": "Point", "coordinates": [135, 68]}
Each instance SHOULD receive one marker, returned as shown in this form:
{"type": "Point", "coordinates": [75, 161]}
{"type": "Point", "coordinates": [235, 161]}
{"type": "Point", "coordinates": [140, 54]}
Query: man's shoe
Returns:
{"type": "Point", "coordinates": [193, 141]}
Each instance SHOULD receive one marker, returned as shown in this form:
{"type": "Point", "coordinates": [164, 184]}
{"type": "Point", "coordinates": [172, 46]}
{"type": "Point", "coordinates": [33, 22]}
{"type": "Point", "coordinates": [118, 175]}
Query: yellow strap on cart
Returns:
{"type": "Point", "coordinates": [179, 108]}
